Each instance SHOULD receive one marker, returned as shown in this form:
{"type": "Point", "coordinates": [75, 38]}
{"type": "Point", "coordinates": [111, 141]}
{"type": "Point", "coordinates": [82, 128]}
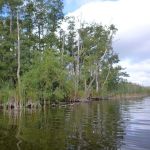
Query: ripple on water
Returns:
{"type": "Point", "coordinates": [104, 125]}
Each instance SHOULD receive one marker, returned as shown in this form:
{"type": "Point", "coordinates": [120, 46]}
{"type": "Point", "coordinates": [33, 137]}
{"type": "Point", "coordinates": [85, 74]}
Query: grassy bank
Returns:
{"type": "Point", "coordinates": [8, 98]}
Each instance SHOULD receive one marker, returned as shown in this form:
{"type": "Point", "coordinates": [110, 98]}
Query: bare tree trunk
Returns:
{"type": "Point", "coordinates": [85, 87]}
{"type": "Point", "coordinates": [77, 67]}
{"type": "Point", "coordinates": [10, 28]}
{"type": "Point", "coordinates": [97, 84]}
{"type": "Point", "coordinates": [89, 86]}
{"type": "Point", "coordinates": [106, 78]}
{"type": "Point", "coordinates": [63, 47]}
{"type": "Point", "coordinates": [18, 59]}
{"type": "Point", "coordinates": [96, 79]}
{"type": "Point", "coordinates": [10, 24]}
{"type": "Point", "coordinates": [78, 56]}
{"type": "Point", "coordinates": [39, 36]}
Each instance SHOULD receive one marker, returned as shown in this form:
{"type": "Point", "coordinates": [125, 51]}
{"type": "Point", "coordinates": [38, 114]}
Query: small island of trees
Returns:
{"type": "Point", "coordinates": [41, 63]}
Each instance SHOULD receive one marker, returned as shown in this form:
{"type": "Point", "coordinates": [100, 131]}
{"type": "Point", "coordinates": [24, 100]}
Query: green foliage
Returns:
{"type": "Point", "coordinates": [56, 65]}
{"type": "Point", "coordinates": [35, 17]}
{"type": "Point", "coordinates": [46, 79]}
{"type": "Point", "coordinates": [6, 93]}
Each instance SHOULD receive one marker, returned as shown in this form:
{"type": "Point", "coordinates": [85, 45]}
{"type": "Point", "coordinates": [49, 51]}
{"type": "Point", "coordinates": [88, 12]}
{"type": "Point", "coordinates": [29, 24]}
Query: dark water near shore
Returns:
{"type": "Point", "coordinates": [106, 125]}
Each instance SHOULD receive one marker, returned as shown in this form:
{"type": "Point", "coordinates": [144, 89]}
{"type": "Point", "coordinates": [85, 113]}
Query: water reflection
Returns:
{"type": "Point", "coordinates": [105, 125]}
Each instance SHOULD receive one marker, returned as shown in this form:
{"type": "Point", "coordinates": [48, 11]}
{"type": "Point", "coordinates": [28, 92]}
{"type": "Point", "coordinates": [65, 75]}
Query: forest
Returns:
{"type": "Point", "coordinates": [43, 62]}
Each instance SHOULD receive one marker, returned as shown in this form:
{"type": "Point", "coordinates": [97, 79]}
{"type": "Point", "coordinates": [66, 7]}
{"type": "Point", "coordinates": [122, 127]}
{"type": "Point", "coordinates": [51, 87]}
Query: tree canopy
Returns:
{"type": "Point", "coordinates": [55, 64]}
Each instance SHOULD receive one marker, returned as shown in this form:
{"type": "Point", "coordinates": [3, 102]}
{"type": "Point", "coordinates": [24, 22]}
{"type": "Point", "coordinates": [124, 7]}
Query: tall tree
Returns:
{"type": "Point", "coordinates": [18, 57]}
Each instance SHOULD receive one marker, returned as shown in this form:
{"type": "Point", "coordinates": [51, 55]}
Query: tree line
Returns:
{"type": "Point", "coordinates": [42, 61]}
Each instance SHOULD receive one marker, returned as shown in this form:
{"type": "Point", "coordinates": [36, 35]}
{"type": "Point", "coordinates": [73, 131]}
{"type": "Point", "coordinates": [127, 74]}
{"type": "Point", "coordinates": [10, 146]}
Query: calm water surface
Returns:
{"type": "Point", "coordinates": [106, 125]}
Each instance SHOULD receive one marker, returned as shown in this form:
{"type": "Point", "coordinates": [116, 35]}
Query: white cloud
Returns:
{"type": "Point", "coordinates": [79, 2]}
{"type": "Point", "coordinates": [131, 17]}
{"type": "Point", "coordinates": [126, 14]}
{"type": "Point", "coordinates": [139, 72]}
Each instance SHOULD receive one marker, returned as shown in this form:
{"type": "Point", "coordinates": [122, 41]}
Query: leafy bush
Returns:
{"type": "Point", "coordinates": [46, 79]}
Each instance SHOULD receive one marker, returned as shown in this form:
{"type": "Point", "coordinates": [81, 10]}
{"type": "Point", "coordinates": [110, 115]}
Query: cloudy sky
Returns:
{"type": "Point", "coordinates": [132, 42]}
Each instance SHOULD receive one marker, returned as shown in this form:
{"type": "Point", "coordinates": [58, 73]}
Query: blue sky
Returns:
{"type": "Point", "coordinates": [132, 42]}
{"type": "Point", "coordinates": [72, 5]}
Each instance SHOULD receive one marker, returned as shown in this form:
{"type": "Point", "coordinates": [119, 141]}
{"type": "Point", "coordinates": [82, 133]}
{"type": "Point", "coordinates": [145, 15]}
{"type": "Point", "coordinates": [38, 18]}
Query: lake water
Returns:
{"type": "Point", "coordinates": [106, 125]}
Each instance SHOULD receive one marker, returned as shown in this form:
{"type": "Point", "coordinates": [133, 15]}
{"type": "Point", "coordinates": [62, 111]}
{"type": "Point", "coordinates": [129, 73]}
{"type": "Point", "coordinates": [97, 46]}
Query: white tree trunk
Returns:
{"type": "Point", "coordinates": [10, 28]}
{"type": "Point", "coordinates": [18, 58]}
{"type": "Point", "coordinates": [63, 47]}
{"type": "Point", "coordinates": [77, 66]}
{"type": "Point", "coordinates": [85, 87]}
{"type": "Point", "coordinates": [106, 77]}
{"type": "Point", "coordinates": [96, 78]}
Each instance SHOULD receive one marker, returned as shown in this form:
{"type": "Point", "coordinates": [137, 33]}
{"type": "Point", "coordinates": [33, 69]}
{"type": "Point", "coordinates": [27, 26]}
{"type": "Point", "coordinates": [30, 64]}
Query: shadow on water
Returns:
{"type": "Point", "coordinates": [98, 125]}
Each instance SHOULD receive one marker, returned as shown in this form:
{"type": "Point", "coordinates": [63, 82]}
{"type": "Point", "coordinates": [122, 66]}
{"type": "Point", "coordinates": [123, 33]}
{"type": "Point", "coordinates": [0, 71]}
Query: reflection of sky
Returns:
{"type": "Point", "coordinates": [140, 115]}
{"type": "Point", "coordinates": [138, 125]}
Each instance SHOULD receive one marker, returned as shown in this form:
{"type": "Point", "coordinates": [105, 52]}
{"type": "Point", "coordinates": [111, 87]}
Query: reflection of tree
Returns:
{"type": "Point", "coordinates": [8, 130]}
{"type": "Point", "coordinates": [98, 127]}
{"type": "Point", "coordinates": [86, 126]}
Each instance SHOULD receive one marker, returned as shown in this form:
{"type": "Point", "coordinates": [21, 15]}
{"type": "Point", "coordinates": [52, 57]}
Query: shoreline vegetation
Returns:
{"type": "Point", "coordinates": [44, 63]}
{"type": "Point", "coordinates": [36, 105]}
{"type": "Point", "coordinates": [70, 103]}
